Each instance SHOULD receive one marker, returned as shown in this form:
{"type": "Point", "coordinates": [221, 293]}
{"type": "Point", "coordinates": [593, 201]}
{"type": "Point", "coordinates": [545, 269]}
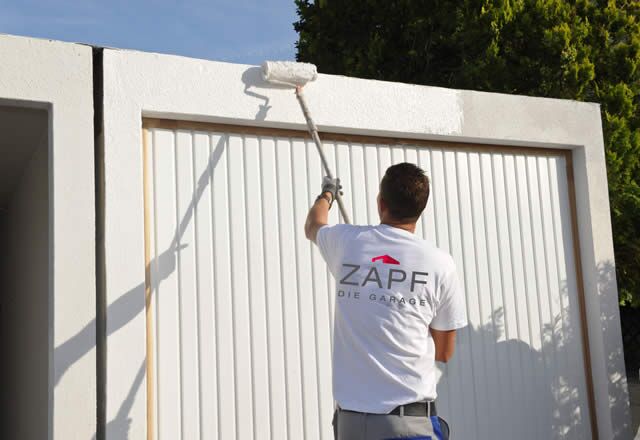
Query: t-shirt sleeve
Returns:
{"type": "Point", "coordinates": [451, 312]}
{"type": "Point", "coordinates": [331, 240]}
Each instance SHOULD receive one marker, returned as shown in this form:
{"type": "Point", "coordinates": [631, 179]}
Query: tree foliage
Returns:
{"type": "Point", "coordinates": [587, 50]}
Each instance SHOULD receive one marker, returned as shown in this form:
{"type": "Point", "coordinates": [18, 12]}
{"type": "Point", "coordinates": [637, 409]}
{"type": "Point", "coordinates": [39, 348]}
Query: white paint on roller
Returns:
{"type": "Point", "coordinates": [288, 72]}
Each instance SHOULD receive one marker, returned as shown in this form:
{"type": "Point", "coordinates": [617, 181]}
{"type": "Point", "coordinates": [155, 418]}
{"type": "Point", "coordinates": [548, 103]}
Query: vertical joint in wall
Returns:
{"type": "Point", "coordinates": [101, 305]}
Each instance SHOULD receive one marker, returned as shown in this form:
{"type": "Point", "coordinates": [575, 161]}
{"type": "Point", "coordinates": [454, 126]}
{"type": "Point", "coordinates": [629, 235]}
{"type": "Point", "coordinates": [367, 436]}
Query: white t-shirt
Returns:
{"type": "Point", "coordinates": [391, 286]}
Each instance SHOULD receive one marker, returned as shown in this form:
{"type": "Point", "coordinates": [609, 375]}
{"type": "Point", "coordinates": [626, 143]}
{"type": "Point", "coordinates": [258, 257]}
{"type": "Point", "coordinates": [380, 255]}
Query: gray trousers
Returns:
{"type": "Point", "coordinates": [348, 425]}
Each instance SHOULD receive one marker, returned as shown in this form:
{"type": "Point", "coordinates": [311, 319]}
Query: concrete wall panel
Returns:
{"type": "Point", "coordinates": [58, 77]}
{"type": "Point", "coordinates": [144, 84]}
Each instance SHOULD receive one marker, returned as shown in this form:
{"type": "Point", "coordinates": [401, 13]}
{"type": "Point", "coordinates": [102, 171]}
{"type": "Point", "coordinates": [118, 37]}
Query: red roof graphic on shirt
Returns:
{"type": "Point", "coordinates": [386, 259]}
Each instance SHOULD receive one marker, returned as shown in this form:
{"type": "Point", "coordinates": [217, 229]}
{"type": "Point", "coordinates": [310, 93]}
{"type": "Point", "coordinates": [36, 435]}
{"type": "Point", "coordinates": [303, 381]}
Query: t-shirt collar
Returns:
{"type": "Point", "coordinates": [396, 230]}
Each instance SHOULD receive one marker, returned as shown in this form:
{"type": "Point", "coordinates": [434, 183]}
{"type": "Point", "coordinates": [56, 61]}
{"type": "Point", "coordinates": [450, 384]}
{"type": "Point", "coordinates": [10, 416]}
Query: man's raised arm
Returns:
{"type": "Point", "coordinates": [318, 215]}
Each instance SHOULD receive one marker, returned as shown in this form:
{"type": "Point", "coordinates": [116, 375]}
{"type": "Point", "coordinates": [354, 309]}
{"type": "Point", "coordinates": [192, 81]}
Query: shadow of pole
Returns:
{"type": "Point", "coordinates": [127, 306]}
{"type": "Point", "coordinates": [252, 78]}
{"type": "Point", "coordinates": [119, 426]}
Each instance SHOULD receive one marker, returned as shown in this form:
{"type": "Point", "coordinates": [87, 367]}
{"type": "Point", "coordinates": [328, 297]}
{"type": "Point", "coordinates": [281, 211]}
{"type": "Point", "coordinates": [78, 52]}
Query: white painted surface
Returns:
{"type": "Point", "coordinates": [138, 84]}
{"type": "Point", "coordinates": [58, 76]}
{"type": "Point", "coordinates": [504, 217]}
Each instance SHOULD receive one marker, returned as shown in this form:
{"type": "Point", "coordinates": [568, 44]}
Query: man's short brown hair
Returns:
{"type": "Point", "coordinates": [405, 191]}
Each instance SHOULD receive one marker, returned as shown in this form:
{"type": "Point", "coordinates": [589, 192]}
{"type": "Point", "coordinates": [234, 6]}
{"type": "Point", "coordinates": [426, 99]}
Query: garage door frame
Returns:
{"type": "Point", "coordinates": [168, 124]}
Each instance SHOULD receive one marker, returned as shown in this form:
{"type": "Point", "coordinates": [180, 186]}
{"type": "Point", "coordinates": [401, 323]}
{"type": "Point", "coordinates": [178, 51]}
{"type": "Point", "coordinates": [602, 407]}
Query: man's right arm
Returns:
{"type": "Point", "coordinates": [318, 216]}
{"type": "Point", "coordinates": [450, 315]}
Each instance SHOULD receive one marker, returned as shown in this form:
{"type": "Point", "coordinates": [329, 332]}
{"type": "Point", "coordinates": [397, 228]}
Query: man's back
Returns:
{"type": "Point", "coordinates": [398, 305]}
{"type": "Point", "coordinates": [391, 286]}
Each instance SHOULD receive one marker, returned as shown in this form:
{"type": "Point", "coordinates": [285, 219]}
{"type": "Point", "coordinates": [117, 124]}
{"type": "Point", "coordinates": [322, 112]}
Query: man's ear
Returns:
{"type": "Point", "coordinates": [381, 206]}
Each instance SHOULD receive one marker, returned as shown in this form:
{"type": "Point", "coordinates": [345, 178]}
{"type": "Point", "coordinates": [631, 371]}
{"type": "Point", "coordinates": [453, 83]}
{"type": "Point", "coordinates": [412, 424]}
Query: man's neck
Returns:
{"type": "Point", "coordinates": [411, 227]}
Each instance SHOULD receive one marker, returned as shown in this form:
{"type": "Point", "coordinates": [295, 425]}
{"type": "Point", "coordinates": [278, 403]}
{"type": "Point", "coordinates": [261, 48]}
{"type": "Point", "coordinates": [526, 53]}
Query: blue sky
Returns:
{"type": "Point", "coordinates": [241, 31]}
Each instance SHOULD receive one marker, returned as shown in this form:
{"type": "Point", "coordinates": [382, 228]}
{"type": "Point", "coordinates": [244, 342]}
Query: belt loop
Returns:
{"type": "Point", "coordinates": [401, 410]}
{"type": "Point", "coordinates": [428, 409]}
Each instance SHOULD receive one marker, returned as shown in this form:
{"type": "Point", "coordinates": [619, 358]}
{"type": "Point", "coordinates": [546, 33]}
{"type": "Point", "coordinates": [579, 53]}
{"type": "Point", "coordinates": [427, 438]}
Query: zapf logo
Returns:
{"type": "Point", "coordinates": [381, 276]}
{"type": "Point", "coordinates": [386, 259]}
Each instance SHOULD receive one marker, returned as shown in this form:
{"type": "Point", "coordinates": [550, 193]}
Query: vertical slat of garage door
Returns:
{"type": "Point", "coordinates": [257, 300]}
{"type": "Point", "coordinates": [334, 217]}
{"type": "Point", "coordinates": [471, 370]}
{"type": "Point", "coordinates": [166, 287]}
{"type": "Point", "coordinates": [273, 286]}
{"type": "Point", "coordinates": [320, 290]}
{"type": "Point", "coordinates": [514, 264]}
{"type": "Point", "coordinates": [371, 181]}
{"type": "Point", "coordinates": [557, 326]}
{"type": "Point", "coordinates": [304, 290]}
{"type": "Point", "coordinates": [468, 174]}
{"type": "Point", "coordinates": [488, 236]}
{"type": "Point", "coordinates": [527, 293]}
{"type": "Point", "coordinates": [224, 326]}
{"type": "Point", "coordinates": [186, 270]}
{"type": "Point", "coordinates": [243, 305]}
{"type": "Point", "coordinates": [204, 156]}
{"type": "Point", "coordinates": [539, 273]}
{"type": "Point", "coordinates": [239, 287]}
{"type": "Point", "coordinates": [295, 410]}
{"type": "Point", "coordinates": [516, 380]}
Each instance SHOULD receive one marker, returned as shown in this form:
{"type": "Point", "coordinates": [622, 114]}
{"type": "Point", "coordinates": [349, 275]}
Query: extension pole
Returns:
{"type": "Point", "coordinates": [313, 130]}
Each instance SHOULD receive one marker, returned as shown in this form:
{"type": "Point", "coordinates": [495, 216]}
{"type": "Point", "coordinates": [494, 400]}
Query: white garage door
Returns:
{"type": "Point", "coordinates": [241, 310]}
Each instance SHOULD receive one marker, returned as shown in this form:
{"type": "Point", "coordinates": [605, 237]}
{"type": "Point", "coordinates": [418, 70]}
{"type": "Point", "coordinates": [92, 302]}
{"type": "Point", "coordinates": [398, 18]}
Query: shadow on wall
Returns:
{"type": "Point", "coordinates": [521, 378]}
{"type": "Point", "coordinates": [618, 389]}
{"type": "Point", "coordinates": [252, 78]}
{"type": "Point", "coordinates": [127, 307]}
{"type": "Point", "coordinates": [554, 411]}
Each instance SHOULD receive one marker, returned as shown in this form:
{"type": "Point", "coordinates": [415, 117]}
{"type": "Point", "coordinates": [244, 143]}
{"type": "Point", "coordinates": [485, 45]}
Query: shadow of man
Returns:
{"type": "Point", "coordinates": [514, 404]}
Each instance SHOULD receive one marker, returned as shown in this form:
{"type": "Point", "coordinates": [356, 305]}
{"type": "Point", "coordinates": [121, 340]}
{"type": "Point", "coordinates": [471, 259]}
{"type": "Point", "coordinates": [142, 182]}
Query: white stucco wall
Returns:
{"type": "Point", "coordinates": [144, 84]}
{"type": "Point", "coordinates": [58, 76]}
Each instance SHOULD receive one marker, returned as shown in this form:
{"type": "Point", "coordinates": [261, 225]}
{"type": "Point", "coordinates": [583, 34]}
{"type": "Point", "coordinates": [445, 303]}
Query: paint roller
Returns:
{"type": "Point", "coordinates": [292, 74]}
